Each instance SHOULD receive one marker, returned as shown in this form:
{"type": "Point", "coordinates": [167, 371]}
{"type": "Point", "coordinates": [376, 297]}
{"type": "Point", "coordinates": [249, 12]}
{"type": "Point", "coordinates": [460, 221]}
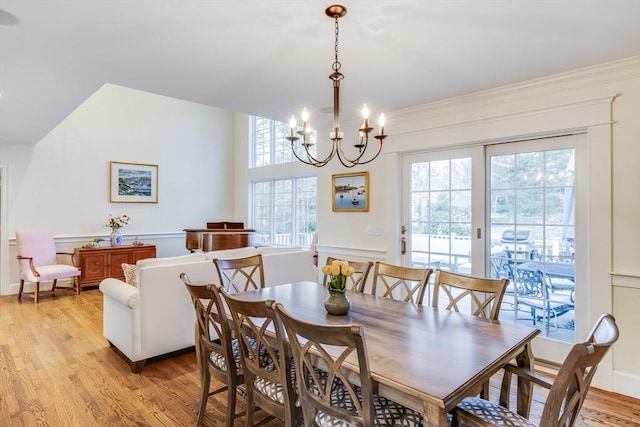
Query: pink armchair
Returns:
{"type": "Point", "coordinates": [37, 257]}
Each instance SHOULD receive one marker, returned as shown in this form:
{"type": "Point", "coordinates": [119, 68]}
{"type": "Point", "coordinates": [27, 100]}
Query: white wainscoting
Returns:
{"type": "Point", "coordinates": [167, 244]}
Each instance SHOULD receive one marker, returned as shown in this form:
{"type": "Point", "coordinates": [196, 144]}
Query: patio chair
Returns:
{"type": "Point", "coordinates": [533, 291]}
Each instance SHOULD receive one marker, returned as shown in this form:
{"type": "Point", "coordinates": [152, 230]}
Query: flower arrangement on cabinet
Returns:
{"type": "Point", "coordinates": [116, 222]}
{"type": "Point", "coordinates": [338, 271]}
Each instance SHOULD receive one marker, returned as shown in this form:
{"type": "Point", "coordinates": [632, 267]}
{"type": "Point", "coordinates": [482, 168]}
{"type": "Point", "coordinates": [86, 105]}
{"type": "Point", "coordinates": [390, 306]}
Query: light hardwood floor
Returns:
{"type": "Point", "coordinates": [56, 369]}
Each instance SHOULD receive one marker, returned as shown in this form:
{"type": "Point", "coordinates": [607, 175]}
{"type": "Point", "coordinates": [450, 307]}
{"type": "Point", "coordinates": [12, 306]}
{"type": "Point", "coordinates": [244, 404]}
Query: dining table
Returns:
{"type": "Point", "coordinates": [422, 357]}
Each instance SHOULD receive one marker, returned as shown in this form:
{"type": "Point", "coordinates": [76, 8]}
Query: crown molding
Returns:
{"type": "Point", "coordinates": [609, 72]}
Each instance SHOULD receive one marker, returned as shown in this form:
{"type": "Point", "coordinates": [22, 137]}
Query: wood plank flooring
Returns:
{"type": "Point", "coordinates": [56, 369]}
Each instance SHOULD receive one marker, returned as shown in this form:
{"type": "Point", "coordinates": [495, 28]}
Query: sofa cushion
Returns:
{"type": "Point", "coordinates": [129, 271]}
{"type": "Point", "coordinates": [195, 257]}
{"type": "Point", "coordinates": [267, 250]}
{"type": "Point", "coordinates": [231, 253]}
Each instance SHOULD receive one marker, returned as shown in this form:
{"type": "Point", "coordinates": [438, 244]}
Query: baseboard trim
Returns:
{"type": "Point", "coordinates": [626, 384]}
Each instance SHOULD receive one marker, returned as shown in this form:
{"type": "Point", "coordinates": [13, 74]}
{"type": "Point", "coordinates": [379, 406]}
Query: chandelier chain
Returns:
{"type": "Point", "coordinates": [336, 64]}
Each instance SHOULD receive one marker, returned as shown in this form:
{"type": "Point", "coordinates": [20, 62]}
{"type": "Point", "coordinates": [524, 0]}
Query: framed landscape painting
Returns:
{"type": "Point", "coordinates": [350, 192]}
{"type": "Point", "coordinates": [133, 183]}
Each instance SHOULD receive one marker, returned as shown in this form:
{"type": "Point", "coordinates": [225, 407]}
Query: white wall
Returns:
{"type": "Point", "coordinates": [602, 101]}
{"type": "Point", "coordinates": [63, 183]}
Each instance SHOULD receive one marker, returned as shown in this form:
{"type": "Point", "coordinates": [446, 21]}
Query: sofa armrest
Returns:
{"type": "Point", "coordinates": [119, 291]}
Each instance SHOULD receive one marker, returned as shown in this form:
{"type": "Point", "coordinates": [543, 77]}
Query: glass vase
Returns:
{"type": "Point", "coordinates": [337, 302]}
{"type": "Point", "coordinates": [116, 237]}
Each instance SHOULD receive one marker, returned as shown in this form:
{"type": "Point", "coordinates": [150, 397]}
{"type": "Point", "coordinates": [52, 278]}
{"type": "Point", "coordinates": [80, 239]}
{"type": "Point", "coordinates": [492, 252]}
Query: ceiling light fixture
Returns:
{"type": "Point", "coordinates": [302, 150]}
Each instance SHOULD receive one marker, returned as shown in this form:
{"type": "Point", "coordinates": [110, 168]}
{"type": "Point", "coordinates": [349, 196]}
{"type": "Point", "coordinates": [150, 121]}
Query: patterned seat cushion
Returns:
{"type": "Point", "coordinates": [387, 412]}
{"type": "Point", "coordinates": [274, 391]}
{"type": "Point", "coordinates": [219, 361]}
{"type": "Point", "coordinates": [493, 413]}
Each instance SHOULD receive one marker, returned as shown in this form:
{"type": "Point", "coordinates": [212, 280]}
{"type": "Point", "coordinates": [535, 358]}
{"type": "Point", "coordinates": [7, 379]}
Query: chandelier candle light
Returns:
{"type": "Point", "coordinates": [336, 12]}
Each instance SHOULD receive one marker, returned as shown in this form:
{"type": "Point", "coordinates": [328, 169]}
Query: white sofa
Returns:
{"type": "Point", "coordinates": [157, 317]}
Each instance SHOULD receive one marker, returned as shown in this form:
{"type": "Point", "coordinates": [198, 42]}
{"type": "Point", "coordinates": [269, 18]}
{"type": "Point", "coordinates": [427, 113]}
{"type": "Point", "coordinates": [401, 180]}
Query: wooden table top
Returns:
{"type": "Point", "coordinates": [422, 357]}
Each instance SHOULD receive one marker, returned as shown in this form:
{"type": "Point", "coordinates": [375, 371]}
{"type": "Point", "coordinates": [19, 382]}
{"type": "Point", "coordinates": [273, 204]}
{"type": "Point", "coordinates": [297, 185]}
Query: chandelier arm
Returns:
{"type": "Point", "coordinates": [311, 160]}
{"type": "Point", "coordinates": [363, 149]}
{"type": "Point", "coordinates": [343, 158]}
{"type": "Point", "coordinates": [326, 159]}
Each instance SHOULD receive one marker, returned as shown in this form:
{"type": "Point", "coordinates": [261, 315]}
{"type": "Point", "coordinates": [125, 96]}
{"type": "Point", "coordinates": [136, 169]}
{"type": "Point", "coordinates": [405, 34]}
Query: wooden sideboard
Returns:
{"type": "Point", "coordinates": [97, 264]}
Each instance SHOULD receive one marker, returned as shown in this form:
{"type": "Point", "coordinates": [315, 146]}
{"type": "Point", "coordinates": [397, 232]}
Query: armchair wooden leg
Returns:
{"type": "Point", "coordinates": [36, 292]}
{"type": "Point", "coordinates": [20, 290]}
{"type": "Point", "coordinates": [53, 287]}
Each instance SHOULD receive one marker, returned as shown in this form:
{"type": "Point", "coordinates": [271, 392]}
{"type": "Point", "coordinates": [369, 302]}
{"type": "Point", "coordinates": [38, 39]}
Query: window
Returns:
{"type": "Point", "coordinates": [270, 143]}
{"type": "Point", "coordinates": [284, 211]}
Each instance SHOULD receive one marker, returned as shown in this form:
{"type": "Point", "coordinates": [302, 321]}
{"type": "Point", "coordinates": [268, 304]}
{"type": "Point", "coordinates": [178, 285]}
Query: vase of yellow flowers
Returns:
{"type": "Point", "coordinates": [337, 302]}
{"type": "Point", "coordinates": [116, 223]}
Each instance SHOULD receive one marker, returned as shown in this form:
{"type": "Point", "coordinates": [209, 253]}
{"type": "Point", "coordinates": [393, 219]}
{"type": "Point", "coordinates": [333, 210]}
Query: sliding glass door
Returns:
{"type": "Point", "coordinates": [503, 210]}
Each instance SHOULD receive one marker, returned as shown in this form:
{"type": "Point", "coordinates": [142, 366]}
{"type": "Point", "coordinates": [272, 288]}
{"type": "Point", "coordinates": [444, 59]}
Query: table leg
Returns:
{"type": "Point", "coordinates": [434, 416]}
{"type": "Point", "coordinates": [525, 387]}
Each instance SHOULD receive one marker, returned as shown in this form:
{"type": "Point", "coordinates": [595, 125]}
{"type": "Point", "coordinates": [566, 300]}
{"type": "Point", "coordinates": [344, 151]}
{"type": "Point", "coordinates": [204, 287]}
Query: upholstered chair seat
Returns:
{"type": "Point", "coordinates": [493, 413]}
{"type": "Point", "coordinates": [387, 412]}
{"type": "Point", "coordinates": [50, 272]}
{"type": "Point", "coordinates": [39, 263]}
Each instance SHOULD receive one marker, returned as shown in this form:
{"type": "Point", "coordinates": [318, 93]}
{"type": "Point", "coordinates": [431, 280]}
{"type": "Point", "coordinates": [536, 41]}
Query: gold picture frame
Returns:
{"type": "Point", "coordinates": [133, 182]}
{"type": "Point", "coordinates": [350, 192]}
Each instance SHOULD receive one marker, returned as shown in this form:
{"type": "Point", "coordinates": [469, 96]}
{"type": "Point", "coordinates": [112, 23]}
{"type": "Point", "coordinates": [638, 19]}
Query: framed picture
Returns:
{"type": "Point", "coordinates": [350, 192]}
{"type": "Point", "coordinates": [133, 183]}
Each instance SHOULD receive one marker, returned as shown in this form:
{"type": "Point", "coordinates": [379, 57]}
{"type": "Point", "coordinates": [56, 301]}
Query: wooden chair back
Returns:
{"type": "Point", "coordinates": [266, 359]}
{"type": "Point", "coordinates": [358, 280]}
{"type": "Point", "coordinates": [214, 337]}
{"type": "Point", "coordinates": [410, 282]}
{"type": "Point", "coordinates": [241, 274]}
{"type": "Point", "coordinates": [485, 295]}
{"type": "Point", "coordinates": [566, 394]}
{"type": "Point", "coordinates": [317, 386]}
{"type": "Point", "coordinates": [570, 388]}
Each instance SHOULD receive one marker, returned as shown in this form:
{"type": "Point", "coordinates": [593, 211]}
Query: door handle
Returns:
{"type": "Point", "coordinates": [403, 245]}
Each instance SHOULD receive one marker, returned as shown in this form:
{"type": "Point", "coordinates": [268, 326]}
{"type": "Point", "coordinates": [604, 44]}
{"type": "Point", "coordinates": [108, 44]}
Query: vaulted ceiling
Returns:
{"type": "Point", "coordinates": [271, 58]}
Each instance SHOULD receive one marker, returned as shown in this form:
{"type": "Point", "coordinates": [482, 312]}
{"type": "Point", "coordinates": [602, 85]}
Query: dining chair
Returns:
{"type": "Point", "coordinates": [326, 388]}
{"type": "Point", "coordinates": [483, 295]}
{"type": "Point", "coordinates": [218, 351]}
{"type": "Point", "coordinates": [241, 274]}
{"type": "Point", "coordinates": [357, 281]}
{"type": "Point", "coordinates": [266, 360]}
{"type": "Point", "coordinates": [566, 394]}
{"type": "Point", "coordinates": [37, 259]}
{"type": "Point", "coordinates": [410, 282]}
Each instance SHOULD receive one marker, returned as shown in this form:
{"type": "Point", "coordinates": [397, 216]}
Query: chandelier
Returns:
{"type": "Point", "coordinates": [303, 152]}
